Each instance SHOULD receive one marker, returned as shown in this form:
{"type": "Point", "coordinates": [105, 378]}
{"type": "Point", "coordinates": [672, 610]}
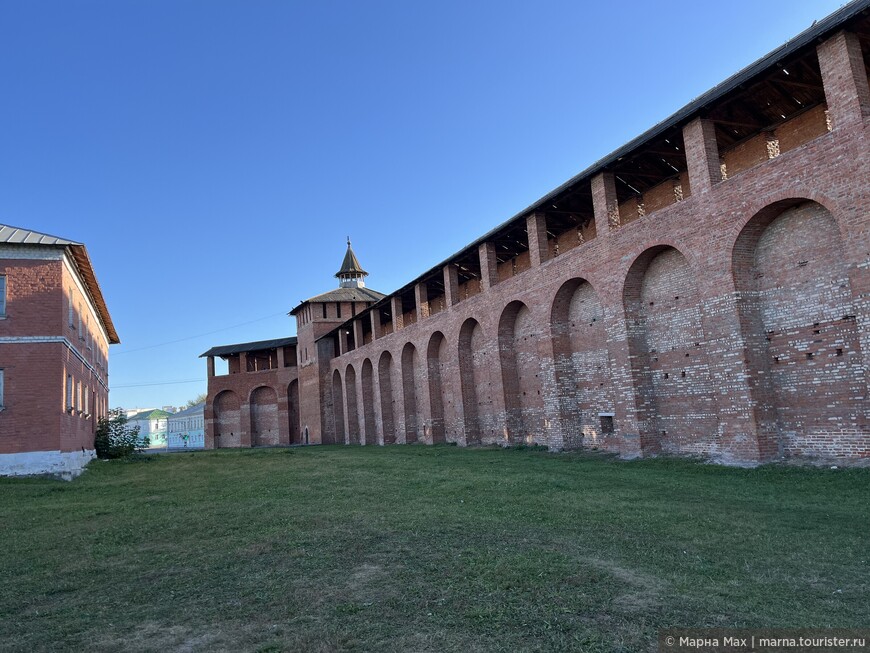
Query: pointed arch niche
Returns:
{"type": "Point", "coordinates": [518, 343]}
{"type": "Point", "coordinates": [227, 420]}
{"type": "Point", "coordinates": [338, 409]}
{"type": "Point", "coordinates": [801, 334]}
{"type": "Point", "coordinates": [410, 393]}
{"type": "Point", "coordinates": [676, 408]}
{"type": "Point", "coordinates": [582, 367]}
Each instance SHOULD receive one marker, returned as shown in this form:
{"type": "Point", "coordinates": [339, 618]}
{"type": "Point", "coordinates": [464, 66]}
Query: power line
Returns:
{"type": "Point", "coordinates": [207, 333]}
{"type": "Point", "coordinates": [142, 385]}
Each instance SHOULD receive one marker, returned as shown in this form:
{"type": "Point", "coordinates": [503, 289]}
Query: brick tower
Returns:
{"type": "Point", "coordinates": [315, 317]}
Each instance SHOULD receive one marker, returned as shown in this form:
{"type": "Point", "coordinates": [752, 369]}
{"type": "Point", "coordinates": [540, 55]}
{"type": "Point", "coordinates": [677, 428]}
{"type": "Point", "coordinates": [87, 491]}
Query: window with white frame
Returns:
{"type": "Point", "coordinates": [2, 295]}
{"type": "Point", "coordinates": [69, 392]}
{"type": "Point", "coordinates": [79, 396]}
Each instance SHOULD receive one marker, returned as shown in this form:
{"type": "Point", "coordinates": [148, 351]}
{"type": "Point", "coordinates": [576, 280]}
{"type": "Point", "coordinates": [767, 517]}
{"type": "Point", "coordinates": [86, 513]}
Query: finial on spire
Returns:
{"type": "Point", "coordinates": [348, 241]}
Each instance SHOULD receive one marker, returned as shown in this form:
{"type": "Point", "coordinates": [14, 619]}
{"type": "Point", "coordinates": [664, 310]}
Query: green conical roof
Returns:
{"type": "Point", "coordinates": [350, 266]}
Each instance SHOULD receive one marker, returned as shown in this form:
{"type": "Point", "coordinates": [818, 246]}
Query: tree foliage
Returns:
{"type": "Point", "coordinates": [115, 438]}
{"type": "Point", "coordinates": [198, 399]}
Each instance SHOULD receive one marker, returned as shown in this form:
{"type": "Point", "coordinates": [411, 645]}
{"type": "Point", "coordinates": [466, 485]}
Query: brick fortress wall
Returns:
{"type": "Point", "coordinates": [719, 311]}
{"type": "Point", "coordinates": [728, 320]}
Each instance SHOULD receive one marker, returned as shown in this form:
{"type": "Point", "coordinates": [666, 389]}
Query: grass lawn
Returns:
{"type": "Point", "coordinates": [415, 548]}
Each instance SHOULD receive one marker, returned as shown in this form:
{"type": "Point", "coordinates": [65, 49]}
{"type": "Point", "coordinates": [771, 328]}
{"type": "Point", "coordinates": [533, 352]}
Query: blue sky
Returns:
{"type": "Point", "coordinates": [214, 155]}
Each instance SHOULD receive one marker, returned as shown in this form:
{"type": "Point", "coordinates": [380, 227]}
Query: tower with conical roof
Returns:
{"type": "Point", "coordinates": [316, 317]}
{"type": "Point", "coordinates": [351, 274]}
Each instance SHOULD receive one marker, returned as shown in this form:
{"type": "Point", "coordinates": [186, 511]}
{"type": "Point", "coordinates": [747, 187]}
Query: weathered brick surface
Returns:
{"type": "Point", "coordinates": [41, 346]}
{"type": "Point", "coordinates": [691, 326]}
{"type": "Point", "coordinates": [253, 408]}
{"type": "Point", "coordinates": [721, 316]}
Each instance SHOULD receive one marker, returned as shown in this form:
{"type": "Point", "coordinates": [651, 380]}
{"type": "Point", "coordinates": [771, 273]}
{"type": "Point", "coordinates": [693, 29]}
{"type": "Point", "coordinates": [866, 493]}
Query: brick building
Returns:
{"type": "Point", "coordinates": [260, 399]}
{"type": "Point", "coordinates": [55, 332]}
{"type": "Point", "coordinates": [702, 291]}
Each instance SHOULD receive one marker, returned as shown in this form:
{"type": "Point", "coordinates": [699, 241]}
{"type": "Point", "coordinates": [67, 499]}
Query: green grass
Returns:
{"type": "Point", "coordinates": [414, 548]}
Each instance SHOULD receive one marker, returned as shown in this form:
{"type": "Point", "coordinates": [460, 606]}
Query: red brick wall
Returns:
{"type": "Point", "coordinates": [719, 408]}
{"type": "Point", "coordinates": [370, 435]}
{"type": "Point", "coordinates": [253, 408]}
{"type": "Point", "coordinates": [33, 297]}
{"type": "Point", "coordinates": [352, 422]}
{"type": "Point", "coordinates": [36, 416]}
{"type": "Point", "coordinates": [798, 294]}
{"type": "Point", "coordinates": [677, 411]}
{"type": "Point", "coordinates": [386, 384]}
{"type": "Point", "coordinates": [264, 417]}
{"type": "Point", "coordinates": [227, 428]}
{"type": "Point", "coordinates": [581, 365]}
{"type": "Point", "coordinates": [412, 393]}
{"type": "Point", "coordinates": [671, 323]}
{"type": "Point", "coordinates": [33, 397]}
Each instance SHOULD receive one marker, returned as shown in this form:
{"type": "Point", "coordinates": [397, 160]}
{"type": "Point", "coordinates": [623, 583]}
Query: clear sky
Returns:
{"type": "Point", "coordinates": [214, 155]}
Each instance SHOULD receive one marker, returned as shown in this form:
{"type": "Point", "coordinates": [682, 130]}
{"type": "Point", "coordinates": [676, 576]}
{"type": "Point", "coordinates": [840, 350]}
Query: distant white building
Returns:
{"type": "Point", "coordinates": [131, 412]}
{"type": "Point", "coordinates": [186, 428]}
{"type": "Point", "coordinates": [152, 424]}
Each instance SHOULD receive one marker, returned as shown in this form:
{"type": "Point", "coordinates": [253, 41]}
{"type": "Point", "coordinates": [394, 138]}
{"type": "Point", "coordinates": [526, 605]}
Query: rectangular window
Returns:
{"type": "Point", "coordinates": [80, 323]}
{"type": "Point", "coordinates": [69, 392]}
{"type": "Point", "coordinates": [337, 309]}
{"type": "Point", "coordinates": [323, 305]}
{"type": "Point", "coordinates": [69, 308]}
{"type": "Point", "coordinates": [87, 402]}
{"type": "Point", "coordinates": [2, 295]}
{"type": "Point", "coordinates": [79, 396]}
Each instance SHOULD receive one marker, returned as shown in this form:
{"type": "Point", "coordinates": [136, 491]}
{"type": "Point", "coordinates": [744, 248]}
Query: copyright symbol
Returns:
{"type": "Point", "coordinates": [669, 641]}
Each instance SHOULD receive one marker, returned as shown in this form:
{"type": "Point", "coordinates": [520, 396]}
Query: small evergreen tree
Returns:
{"type": "Point", "coordinates": [115, 438]}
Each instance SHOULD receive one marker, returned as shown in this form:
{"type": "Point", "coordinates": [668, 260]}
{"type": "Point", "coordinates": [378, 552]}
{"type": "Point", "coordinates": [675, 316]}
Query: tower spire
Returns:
{"type": "Point", "coordinates": [351, 274]}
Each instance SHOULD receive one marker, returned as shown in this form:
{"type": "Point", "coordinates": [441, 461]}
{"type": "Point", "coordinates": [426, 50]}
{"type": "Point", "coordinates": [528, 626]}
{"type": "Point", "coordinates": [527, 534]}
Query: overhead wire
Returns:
{"type": "Point", "coordinates": [200, 335]}
{"type": "Point", "coordinates": [142, 385]}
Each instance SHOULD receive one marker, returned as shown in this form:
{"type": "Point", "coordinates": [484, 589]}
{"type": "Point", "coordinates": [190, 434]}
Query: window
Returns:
{"type": "Point", "coordinates": [337, 309]}
{"type": "Point", "coordinates": [80, 323]}
{"type": "Point", "coordinates": [1, 389]}
{"type": "Point", "coordinates": [87, 402]}
{"type": "Point", "coordinates": [2, 296]}
{"type": "Point", "coordinates": [79, 396]}
{"type": "Point", "coordinates": [69, 392]}
{"type": "Point", "coordinates": [323, 306]}
{"type": "Point", "coordinates": [69, 308]}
